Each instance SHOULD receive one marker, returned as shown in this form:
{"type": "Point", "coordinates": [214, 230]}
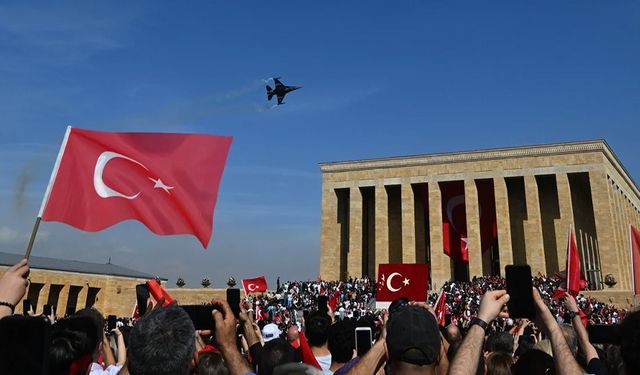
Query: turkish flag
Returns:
{"type": "Point", "coordinates": [635, 258]}
{"type": "Point", "coordinates": [402, 280]}
{"type": "Point", "coordinates": [573, 266]}
{"type": "Point", "coordinates": [169, 182]}
{"type": "Point", "coordinates": [441, 308]}
{"type": "Point", "coordinates": [255, 285]}
{"type": "Point", "coordinates": [454, 221]}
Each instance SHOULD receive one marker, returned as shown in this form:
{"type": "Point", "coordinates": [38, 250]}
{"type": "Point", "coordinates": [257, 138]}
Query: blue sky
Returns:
{"type": "Point", "coordinates": [380, 79]}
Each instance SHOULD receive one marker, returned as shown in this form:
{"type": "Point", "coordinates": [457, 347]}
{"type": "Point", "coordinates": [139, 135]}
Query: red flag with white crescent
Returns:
{"type": "Point", "coordinates": [441, 308]}
{"type": "Point", "coordinates": [255, 285]}
{"type": "Point", "coordinates": [402, 280]}
{"type": "Point", "coordinates": [635, 258]}
{"type": "Point", "coordinates": [169, 182]}
{"type": "Point", "coordinates": [454, 221]}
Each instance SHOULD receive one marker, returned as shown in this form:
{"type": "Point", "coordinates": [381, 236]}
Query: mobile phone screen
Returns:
{"type": "Point", "coordinates": [363, 340]}
{"type": "Point", "coordinates": [142, 295]}
{"type": "Point", "coordinates": [111, 322]}
{"type": "Point", "coordinates": [322, 304]}
{"type": "Point", "coordinates": [233, 299]}
{"type": "Point", "coordinates": [46, 310]}
{"type": "Point", "coordinates": [200, 316]}
{"type": "Point", "coordinates": [26, 307]}
{"type": "Point", "coordinates": [519, 288]}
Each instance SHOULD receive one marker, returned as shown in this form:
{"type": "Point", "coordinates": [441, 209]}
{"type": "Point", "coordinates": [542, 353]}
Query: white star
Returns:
{"type": "Point", "coordinates": [405, 281]}
{"type": "Point", "coordinates": [161, 185]}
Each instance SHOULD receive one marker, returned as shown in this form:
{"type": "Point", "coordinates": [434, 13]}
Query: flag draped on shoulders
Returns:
{"type": "Point", "coordinates": [167, 181]}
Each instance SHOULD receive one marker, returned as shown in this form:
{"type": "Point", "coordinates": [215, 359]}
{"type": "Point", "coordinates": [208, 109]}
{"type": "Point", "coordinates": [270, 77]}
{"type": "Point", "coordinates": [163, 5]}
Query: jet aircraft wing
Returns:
{"type": "Point", "coordinates": [280, 99]}
{"type": "Point", "coordinates": [277, 82]}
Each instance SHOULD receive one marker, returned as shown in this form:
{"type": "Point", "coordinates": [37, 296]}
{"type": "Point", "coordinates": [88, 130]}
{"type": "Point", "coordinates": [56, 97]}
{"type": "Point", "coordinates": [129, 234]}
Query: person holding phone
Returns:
{"type": "Point", "coordinates": [594, 364]}
{"type": "Point", "coordinates": [13, 285]}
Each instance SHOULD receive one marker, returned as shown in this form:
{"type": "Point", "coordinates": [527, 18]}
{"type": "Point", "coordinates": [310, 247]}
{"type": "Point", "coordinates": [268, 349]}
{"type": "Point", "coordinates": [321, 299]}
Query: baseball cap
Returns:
{"type": "Point", "coordinates": [413, 336]}
{"type": "Point", "coordinates": [270, 332]}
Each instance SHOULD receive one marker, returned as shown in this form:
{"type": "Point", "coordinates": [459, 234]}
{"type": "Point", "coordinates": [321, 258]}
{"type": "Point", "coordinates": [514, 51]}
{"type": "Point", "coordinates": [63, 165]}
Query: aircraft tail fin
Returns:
{"type": "Point", "coordinates": [269, 92]}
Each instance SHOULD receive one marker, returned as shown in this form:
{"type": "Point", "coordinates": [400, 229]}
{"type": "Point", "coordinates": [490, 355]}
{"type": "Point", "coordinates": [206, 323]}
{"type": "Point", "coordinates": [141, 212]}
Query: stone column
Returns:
{"type": "Point", "coordinates": [440, 262]}
{"type": "Point", "coordinates": [354, 258]}
{"type": "Point", "coordinates": [611, 262]}
{"type": "Point", "coordinates": [82, 297]}
{"type": "Point", "coordinates": [408, 224]}
{"type": "Point", "coordinates": [329, 235]}
{"type": "Point", "coordinates": [381, 225]}
{"type": "Point", "coordinates": [474, 243]}
{"type": "Point", "coordinates": [43, 299]}
{"type": "Point", "coordinates": [503, 222]}
{"type": "Point", "coordinates": [534, 244]}
{"type": "Point", "coordinates": [566, 218]}
{"type": "Point", "coordinates": [62, 300]}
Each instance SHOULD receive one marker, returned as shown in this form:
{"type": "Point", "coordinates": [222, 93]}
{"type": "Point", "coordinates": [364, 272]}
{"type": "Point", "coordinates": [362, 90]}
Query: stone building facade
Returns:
{"type": "Point", "coordinates": [392, 210]}
{"type": "Point", "coordinates": [73, 285]}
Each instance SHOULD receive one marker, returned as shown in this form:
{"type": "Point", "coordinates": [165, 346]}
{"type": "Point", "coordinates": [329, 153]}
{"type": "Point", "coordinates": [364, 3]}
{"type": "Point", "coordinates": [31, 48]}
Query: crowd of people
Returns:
{"type": "Point", "coordinates": [310, 328]}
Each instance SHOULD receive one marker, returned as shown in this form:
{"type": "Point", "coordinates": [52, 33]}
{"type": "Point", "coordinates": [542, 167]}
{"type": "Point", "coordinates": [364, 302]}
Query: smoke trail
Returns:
{"type": "Point", "coordinates": [25, 177]}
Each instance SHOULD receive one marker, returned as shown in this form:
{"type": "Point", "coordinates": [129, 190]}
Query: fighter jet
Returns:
{"type": "Point", "coordinates": [280, 91]}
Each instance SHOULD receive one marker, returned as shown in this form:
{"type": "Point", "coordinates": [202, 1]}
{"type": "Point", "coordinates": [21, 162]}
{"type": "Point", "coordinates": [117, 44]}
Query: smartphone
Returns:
{"type": "Point", "coordinates": [46, 310]}
{"type": "Point", "coordinates": [24, 348]}
{"type": "Point", "coordinates": [604, 334]}
{"type": "Point", "coordinates": [363, 340]}
{"type": "Point", "coordinates": [233, 299]}
{"type": "Point", "coordinates": [200, 316]}
{"type": "Point", "coordinates": [520, 290]}
{"type": "Point", "coordinates": [142, 295]}
{"type": "Point", "coordinates": [111, 323]}
{"type": "Point", "coordinates": [322, 304]}
{"type": "Point", "coordinates": [26, 307]}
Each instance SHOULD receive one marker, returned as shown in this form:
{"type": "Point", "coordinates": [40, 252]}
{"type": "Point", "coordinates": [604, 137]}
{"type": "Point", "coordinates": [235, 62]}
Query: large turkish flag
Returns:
{"type": "Point", "coordinates": [402, 280]}
{"type": "Point", "coordinates": [454, 221]}
{"type": "Point", "coordinates": [635, 258]}
{"type": "Point", "coordinates": [169, 182]}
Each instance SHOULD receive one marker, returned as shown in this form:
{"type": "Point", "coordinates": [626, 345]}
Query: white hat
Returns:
{"type": "Point", "coordinates": [270, 332]}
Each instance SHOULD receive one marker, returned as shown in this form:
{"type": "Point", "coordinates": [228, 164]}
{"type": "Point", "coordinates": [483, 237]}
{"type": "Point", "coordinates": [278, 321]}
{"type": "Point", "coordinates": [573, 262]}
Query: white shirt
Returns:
{"type": "Point", "coordinates": [96, 369]}
{"type": "Point", "coordinates": [324, 361]}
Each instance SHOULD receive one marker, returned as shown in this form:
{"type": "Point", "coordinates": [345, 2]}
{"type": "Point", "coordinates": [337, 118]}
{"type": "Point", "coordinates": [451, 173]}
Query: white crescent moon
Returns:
{"type": "Point", "coordinates": [251, 287]}
{"type": "Point", "coordinates": [389, 282]}
{"type": "Point", "coordinates": [101, 188]}
{"type": "Point", "coordinates": [453, 203]}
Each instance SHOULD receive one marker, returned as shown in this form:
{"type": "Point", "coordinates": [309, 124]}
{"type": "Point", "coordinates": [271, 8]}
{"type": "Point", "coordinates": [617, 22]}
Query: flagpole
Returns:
{"type": "Point", "coordinates": [33, 237]}
{"type": "Point", "coordinates": [47, 193]}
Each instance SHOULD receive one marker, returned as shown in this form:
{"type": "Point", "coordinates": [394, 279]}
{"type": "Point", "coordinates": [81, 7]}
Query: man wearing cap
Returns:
{"type": "Point", "coordinates": [270, 332]}
{"type": "Point", "coordinates": [411, 344]}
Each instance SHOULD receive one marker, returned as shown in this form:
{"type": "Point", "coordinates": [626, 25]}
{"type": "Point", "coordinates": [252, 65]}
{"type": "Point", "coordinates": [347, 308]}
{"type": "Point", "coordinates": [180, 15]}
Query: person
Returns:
{"type": "Point", "coordinates": [341, 344]}
{"type": "Point", "coordinates": [73, 346]}
{"type": "Point", "coordinates": [316, 332]}
{"type": "Point", "coordinates": [293, 335]}
{"type": "Point", "coordinates": [101, 345]}
{"type": "Point", "coordinates": [594, 365]}
{"type": "Point", "coordinates": [499, 363]}
{"type": "Point", "coordinates": [630, 341]}
{"type": "Point", "coordinates": [411, 344]}
{"type": "Point", "coordinates": [500, 342]}
{"type": "Point", "coordinates": [491, 305]}
{"type": "Point", "coordinates": [162, 342]}
{"type": "Point", "coordinates": [270, 332]}
{"type": "Point", "coordinates": [13, 285]}
{"type": "Point", "coordinates": [211, 363]}
{"type": "Point", "coordinates": [275, 352]}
